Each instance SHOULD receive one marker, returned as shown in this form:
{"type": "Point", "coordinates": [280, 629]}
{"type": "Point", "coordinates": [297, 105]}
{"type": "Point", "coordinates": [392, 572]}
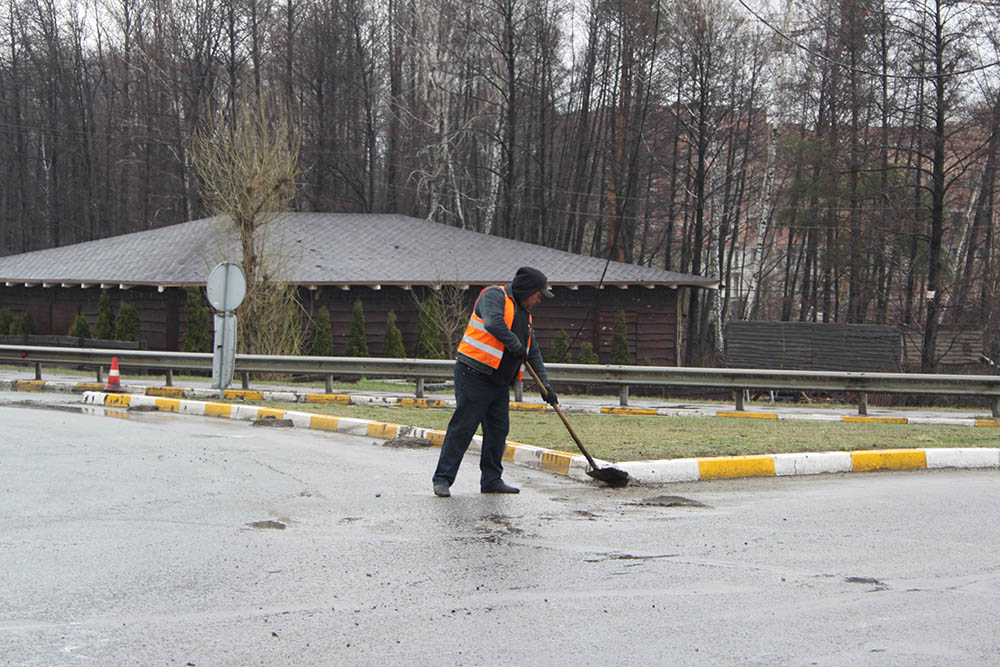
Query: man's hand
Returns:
{"type": "Point", "coordinates": [517, 352]}
{"type": "Point", "coordinates": [550, 396]}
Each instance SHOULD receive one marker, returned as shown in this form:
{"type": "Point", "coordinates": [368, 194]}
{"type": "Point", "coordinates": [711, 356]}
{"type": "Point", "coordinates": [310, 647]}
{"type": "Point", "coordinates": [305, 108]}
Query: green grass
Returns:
{"type": "Point", "coordinates": [632, 438]}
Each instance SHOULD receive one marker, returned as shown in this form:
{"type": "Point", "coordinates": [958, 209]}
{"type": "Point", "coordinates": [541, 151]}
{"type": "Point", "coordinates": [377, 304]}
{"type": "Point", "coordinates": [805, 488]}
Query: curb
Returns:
{"type": "Point", "coordinates": [547, 460]}
{"type": "Point", "coordinates": [575, 466]}
{"type": "Point", "coordinates": [390, 401]}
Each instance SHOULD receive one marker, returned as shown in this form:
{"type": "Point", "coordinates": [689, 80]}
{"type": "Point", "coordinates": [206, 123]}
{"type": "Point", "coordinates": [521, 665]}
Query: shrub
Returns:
{"type": "Point", "coordinates": [321, 336]}
{"type": "Point", "coordinates": [104, 327]}
{"type": "Point", "coordinates": [587, 354]}
{"type": "Point", "coordinates": [357, 342]}
{"type": "Point", "coordinates": [392, 344]}
{"type": "Point", "coordinates": [619, 341]}
{"type": "Point", "coordinates": [127, 323]}
{"type": "Point", "coordinates": [197, 337]}
{"type": "Point", "coordinates": [428, 332]}
{"type": "Point", "coordinates": [6, 317]}
{"type": "Point", "coordinates": [80, 328]}
{"type": "Point", "coordinates": [22, 325]}
{"type": "Point", "coordinates": [559, 350]}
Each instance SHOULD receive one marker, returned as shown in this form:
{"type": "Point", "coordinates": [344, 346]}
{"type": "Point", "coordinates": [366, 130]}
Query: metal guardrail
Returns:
{"type": "Point", "coordinates": [736, 379]}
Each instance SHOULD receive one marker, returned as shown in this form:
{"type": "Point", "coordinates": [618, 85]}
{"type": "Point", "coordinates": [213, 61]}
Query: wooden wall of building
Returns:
{"type": "Point", "coordinates": [53, 309]}
{"type": "Point", "coordinates": [651, 315]}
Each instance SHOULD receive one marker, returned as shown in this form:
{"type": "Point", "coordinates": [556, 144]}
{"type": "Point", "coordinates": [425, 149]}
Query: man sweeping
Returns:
{"type": "Point", "coordinates": [489, 360]}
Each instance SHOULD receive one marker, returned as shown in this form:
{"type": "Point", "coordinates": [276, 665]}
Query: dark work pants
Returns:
{"type": "Point", "coordinates": [479, 401]}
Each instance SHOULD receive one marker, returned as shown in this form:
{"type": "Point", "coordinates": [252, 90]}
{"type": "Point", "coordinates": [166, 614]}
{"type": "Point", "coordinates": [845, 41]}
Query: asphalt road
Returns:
{"type": "Point", "coordinates": [161, 539]}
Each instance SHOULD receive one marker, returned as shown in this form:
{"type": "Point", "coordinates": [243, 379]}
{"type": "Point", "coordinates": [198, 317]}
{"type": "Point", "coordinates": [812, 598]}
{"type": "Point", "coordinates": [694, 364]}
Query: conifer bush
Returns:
{"type": "Point", "coordinates": [392, 344]}
{"type": "Point", "coordinates": [587, 354]}
{"type": "Point", "coordinates": [127, 325]}
{"type": "Point", "coordinates": [619, 341]}
{"type": "Point", "coordinates": [429, 332]}
{"type": "Point", "coordinates": [104, 327]}
{"type": "Point", "coordinates": [321, 336]}
{"type": "Point", "coordinates": [80, 328]}
{"type": "Point", "coordinates": [197, 337]}
{"type": "Point", "coordinates": [22, 325]}
{"type": "Point", "coordinates": [559, 349]}
{"type": "Point", "coordinates": [357, 342]}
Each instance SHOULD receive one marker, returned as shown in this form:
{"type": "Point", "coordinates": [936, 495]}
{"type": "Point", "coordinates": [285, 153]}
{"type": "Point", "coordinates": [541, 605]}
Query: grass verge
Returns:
{"type": "Point", "coordinates": [632, 438]}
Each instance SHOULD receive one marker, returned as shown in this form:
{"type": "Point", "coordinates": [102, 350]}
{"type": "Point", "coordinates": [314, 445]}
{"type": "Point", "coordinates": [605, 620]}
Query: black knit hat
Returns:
{"type": "Point", "coordinates": [527, 281]}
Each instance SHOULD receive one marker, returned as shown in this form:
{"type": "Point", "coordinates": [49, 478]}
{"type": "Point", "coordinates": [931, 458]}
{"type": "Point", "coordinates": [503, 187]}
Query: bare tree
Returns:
{"type": "Point", "coordinates": [248, 165]}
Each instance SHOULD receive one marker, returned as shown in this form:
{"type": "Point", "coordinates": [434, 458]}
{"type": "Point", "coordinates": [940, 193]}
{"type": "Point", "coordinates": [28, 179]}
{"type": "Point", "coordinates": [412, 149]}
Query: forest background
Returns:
{"type": "Point", "coordinates": [829, 160]}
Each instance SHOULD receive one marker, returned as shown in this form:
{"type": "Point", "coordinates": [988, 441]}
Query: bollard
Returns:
{"type": "Point", "coordinates": [420, 388]}
{"type": "Point", "coordinates": [863, 403]}
{"type": "Point", "coordinates": [738, 399]}
{"type": "Point", "coordinates": [170, 377]}
{"type": "Point", "coordinates": [329, 384]}
{"type": "Point", "coordinates": [38, 371]}
{"type": "Point", "coordinates": [623, 396]}
{"type": "Point", "coordinates": [100, 374]}
{"type": "Point", "coordinates": [246, 379]}
{"type": "Point", "coordinates": [518, 391]}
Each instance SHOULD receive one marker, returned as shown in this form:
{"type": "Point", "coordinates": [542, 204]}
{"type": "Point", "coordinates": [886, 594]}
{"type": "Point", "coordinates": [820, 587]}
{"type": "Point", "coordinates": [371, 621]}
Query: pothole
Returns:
{"type": "Point", "coordinates": [868, 581]}
{"type": "Point", "coordinates": [273, 422]}
{"type": "Point", "coordinates": [269, 524]}
{"type": "Point", "coordinates": [608, 557]}
{"type": "Point", "coordinates": [407, 441]}
{"type": "Point", "coordinates": [668, 501]}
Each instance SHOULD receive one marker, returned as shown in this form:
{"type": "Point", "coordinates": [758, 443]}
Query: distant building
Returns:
{"type": "Point", "coordinates": [388, 261]}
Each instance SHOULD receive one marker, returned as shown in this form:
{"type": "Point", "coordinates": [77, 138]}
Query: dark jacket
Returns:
{"type": "Point", "coordinates": [490, 307]}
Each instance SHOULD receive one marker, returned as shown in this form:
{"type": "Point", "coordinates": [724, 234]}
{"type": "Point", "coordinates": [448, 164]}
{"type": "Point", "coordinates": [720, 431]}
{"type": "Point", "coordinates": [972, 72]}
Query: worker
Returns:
{"type": "Point", "coordinates": [490, 358]}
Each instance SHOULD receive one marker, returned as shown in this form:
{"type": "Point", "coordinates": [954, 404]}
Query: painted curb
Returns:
{"type": "Point", "coordinates": [547, 460]}
{"type": "Point", "coordinates": [403, 401]}
{"type": "Point", "coordinates": [574, 465]}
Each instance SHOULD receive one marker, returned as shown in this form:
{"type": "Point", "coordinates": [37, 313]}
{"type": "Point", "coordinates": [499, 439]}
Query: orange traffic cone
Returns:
{"type": "Point", "coordinates": [114, 381]}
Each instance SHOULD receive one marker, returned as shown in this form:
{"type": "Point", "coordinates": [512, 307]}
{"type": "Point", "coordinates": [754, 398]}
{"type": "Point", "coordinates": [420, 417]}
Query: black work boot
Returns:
{"type": "Point", "coordinates": [501, 487]}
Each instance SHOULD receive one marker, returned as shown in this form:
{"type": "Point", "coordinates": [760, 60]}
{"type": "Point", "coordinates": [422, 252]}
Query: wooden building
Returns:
{"type": "Point", "coordinates": [389, 262]}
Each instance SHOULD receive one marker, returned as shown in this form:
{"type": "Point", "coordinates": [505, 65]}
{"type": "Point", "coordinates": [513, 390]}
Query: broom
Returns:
{"type": "Point", "coordinates": [613, 477]}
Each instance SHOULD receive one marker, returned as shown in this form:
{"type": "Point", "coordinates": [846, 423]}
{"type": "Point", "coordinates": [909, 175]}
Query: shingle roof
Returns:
{"type": "Point", "coordinates": [325, 249]}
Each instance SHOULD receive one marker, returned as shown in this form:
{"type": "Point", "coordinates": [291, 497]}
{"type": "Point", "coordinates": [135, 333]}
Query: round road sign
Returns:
{"type": "Point", "coordinates": [226, 286]}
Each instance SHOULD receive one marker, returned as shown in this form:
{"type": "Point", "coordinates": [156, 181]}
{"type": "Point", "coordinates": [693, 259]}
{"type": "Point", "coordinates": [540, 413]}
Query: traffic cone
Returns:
{"type": "Point", "coordinates": [114, 381]}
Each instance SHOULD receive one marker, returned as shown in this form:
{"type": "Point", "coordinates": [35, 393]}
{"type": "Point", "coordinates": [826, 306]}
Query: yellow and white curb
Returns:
{"type": "Point", "coordinates": [548, 460]}
{"type": "Point", "coordinates": [812, 463]}
{"type": "Point", "coordinates": [574, 465]}
{"type": "Point", "coordinates": [448, 403]}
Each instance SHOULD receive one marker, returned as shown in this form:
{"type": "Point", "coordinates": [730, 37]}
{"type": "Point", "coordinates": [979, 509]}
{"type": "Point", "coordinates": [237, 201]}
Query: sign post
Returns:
{"type": "Point", "coordinates": [226, 288]}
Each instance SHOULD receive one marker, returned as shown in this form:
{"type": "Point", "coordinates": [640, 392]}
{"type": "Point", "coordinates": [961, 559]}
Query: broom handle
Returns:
{"type": "Point", "coordinates": [559, 412]}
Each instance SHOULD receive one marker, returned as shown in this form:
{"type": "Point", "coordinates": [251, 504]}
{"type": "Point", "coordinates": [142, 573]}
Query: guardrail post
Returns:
{"type": "Point", "coordinates": [329, 384]}
{"type": "Point", "coordinates": [100, 374]}
{"type": "Point", "coordinates": [996, 407]}
{"type": "Point", "coordinates": [420, 388]}
{"type": "Point", "coordinates": [170, 377]}
{"type": "Point", "coordinates": [863, 403]}
{"type": "Point", "coordinates": [38, 371]}
{"type": "Point", "coordinates": [738, 399]}
{"type": "Point", "coordinates": [623, 396]}
{"type": "Point", "coordinates": [246, 379]}
{"type": "Point", "coordinates": [518, 391]}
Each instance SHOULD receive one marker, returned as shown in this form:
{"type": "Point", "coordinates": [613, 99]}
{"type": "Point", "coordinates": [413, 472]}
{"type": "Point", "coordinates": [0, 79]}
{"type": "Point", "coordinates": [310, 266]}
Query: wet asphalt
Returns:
{"type": "Point", "coordinates": [152, 538]}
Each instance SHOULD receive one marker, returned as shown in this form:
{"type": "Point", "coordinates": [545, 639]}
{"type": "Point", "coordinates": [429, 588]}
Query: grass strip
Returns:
{"type": "Point", "coordinates": [636, 438]}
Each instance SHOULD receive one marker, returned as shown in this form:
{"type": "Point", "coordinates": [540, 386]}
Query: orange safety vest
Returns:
{"type": "Point", "coordinates": [479, 344]}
